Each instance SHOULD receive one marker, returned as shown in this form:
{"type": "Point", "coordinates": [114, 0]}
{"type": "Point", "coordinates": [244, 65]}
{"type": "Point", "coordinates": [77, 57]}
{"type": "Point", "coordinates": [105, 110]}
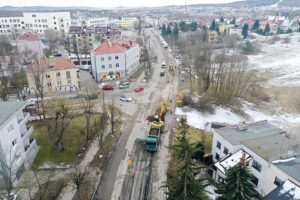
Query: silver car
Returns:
{"type": "Point", "coordinates": [125, 98]}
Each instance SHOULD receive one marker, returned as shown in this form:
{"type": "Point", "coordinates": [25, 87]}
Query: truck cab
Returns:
{"type": "Point", "coordinates": [152, 140]}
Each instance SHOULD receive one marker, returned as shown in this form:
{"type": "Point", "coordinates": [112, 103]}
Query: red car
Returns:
{"type": "Point", "coordinates": [139, 89]}
{"type": "Point", "coordinates": [107, 87]}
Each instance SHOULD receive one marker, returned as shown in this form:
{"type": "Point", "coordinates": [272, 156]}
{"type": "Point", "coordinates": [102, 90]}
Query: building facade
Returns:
{"type": "Point", "coordinates": [267, 150]}
{"type": "Point", "coordinates": [90, 22]}
{"type": "Point", "coordinates": [57, 74]}
{"type": "Point", "coordinates": [17, 146]}
{"type": "Point", "coordinates": [30, 43]}
{"type": "Point", "coordinates": [125, 22]}
{"type": "Point", "coordinates": [115, 60]}
{"type": "Point", "coordinates": [35, 21]}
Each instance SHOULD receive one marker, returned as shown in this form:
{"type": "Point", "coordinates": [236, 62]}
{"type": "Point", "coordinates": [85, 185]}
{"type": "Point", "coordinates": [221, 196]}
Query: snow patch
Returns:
{"type": "Point", "coordinates": [281, 161]}
{"type": "Point", "coordinates": [210, 192]}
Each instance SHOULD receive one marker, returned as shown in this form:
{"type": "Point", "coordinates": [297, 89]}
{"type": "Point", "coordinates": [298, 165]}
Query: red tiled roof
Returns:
{"type": "Point", "coordinates": [29, 36]}
{"type": "Point", "coordinates": [55, 63]}
{"type": "Point", "coordinates": [110, 47]}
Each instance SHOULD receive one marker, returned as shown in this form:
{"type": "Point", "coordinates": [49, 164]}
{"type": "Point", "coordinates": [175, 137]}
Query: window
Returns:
{"type": "Point", "coordinates": [109, 57]}
{"type": "Point", "coordinates": [256, 165]}
{"type": "Point", "coordinates": [225, 151]}
{"type": "Point", "coordinates": [217, 157]}
{"type": "Point", "coordinates": [14, 142]}
{"type": "Point", "coordinates": [59, 83]}
{"type": "Point", "coordinates": [102, 58]}
{"type": "Point", "coordinates": [117, 65]}
{"type": "Point", "coordinates": [68, 74]}
{"type": "Point", "coordinates": [33, 15]}
{"type": "Point", "coordinates": [47, 75]}
{"type": "Point", "coordinates": [54, 22]}
{"type": "Point", "coordinates": [53, 17]}
{"type": "Point", "coordinates": [103, 66]}
{"type": "Point", "coordinates": [218, 145]}
{"type": "Point", "coordinates": [116, 57]}
{"type": "Point", "coordinates": [69, 82]}
{"type": "Point", "coordinates": [110, 65]}
{"type": "Point", "coordinates": [58, 74]}
{"type": "Point", "coordinates": [10, 128]}
{"type": "Point", "coordinates": [254, 180]}
{"type": "Point", "coordinates": [278, 181]}
{"type": "Point", "coordinates": [49, 84]}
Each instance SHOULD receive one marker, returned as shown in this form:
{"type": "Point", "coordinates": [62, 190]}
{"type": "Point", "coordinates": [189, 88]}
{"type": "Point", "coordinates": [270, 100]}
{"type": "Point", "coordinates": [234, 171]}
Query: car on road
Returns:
{"type": "Point", "coordinates": [124, 85]}
{"type": "Point", "coordinates": [85, 67]}
{"type": "Point", "coordinates": [91, 97]}
{"type": "Point", "coordinates": [107, 87]}
{"type": "Point", "coordinates": [162, 73]}
{"type": "Point", "coordinates": [139, 89]}
{"type": "Point", "coordinates": [163, 65]}
{"type": "Point", "coordinates": [125, 98]}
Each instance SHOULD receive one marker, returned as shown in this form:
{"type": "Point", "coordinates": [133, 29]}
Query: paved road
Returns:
{"type": "Point", "coordinates": [135, 127]}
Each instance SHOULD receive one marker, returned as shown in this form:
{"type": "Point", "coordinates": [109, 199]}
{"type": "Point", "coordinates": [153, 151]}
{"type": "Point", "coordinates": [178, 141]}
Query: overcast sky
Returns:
{"type": "Point", "coordinates": [105, 3]}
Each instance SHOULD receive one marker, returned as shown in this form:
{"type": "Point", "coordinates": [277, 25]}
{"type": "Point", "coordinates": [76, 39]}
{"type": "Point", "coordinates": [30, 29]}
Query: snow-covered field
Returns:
{"type": "Point", "coordinates": [225, 115]}
{"type": "Point", "coordinates": [280, 59]}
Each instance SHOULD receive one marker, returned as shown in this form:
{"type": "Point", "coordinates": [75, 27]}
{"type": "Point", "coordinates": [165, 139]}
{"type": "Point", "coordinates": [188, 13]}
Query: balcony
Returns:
{"type": "Point", "coordinates": [32, 145]}
{"type": "Point", "coordinates": [25, 118]}
{"type": "Point", "coordinates": [27, 133]}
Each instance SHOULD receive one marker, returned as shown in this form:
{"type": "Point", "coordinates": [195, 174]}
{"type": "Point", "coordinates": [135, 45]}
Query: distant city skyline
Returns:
{"type": "Point", "coordinates": [106, 4]}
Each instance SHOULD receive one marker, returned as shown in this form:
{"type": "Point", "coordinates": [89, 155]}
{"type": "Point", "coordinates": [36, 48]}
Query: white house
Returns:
{"type": "Point", "coordinates": [273, 156]}
{"type": "Point", "coordinates": [30, 42]}
{"type": "Point", "coordinates": [115, 60]}
{"type": "Point", "coordinates": [17, 146]}
{"type": "Point", "coordinates": [35, 21]}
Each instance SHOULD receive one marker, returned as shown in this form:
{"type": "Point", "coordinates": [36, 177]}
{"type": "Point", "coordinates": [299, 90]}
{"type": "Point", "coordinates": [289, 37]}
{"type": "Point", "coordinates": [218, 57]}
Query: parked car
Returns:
{"type": "Point", "coordinates": [125, 98]}
{"type": "Point", "coordinates": [107, 87]}
{"type": "Point", "coordinates": [85, 67]}
{"type": "Point", "coordinates": [163, 65]}
{"type": "Point", "coordinates": [91, 97]}
{"type": "Point", "coordinates": [139, 89]}
{"type": "Point", "coordinates": [31, 102]}
{"type": "Point", "coordinates": [162, 73]}
{"type": "Point", "coordinates": [123, 85]}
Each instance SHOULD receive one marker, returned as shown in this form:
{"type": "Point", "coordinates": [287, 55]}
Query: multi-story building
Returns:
{"type": "Point", "coordinates": [35, 21]}
{"type": "Point", "coordinates": [125, 22]}
{"type": "Point", "coordinates": [31, 44]}
{"type": "Point", "coordinates": [57, 74]}
{"type": "Point", "coordinates": [90, 22]}
{"type": "Point", "coordinates": [115, 59]}
{"type": "Point", "coordinates": [83, 40]}
{"type": "Point", "coordinates": [272, 155]}
{"type": "Point", "coordinates": [213, 36]}
{"type": "Point", "coordinates": [17, 146]}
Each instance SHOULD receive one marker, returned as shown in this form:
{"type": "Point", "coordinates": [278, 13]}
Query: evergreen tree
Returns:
{"type": "Point", "coordinates": [213, 25]}
{"type": "Point", "coordinates": [183, 26]}
{"type": "Point", "coordinates": [194, 26]}
{"type": "Point", "coordinates": [175, 30]}
{"type": "Point", "coordinates": [184, 186]}
{"type": "Point", "coordinates": [255, 26]}
{"type": "Point", "coordinates": [198, 152]}
{"type": "Point", "coordinates": [168, 31]}
{"type": "Point", "coordinates": [222, 19]}
{"type": "Point", "coordinates": [237, 184]}
{"type": "Point", "coordinates": [245, 31]}
{"type": "Point", "coordinates": [233, 21]}
{"type": "Point", "coordinates": [267, 29]}
{"type": "Point", "coordinates": [163, 30]}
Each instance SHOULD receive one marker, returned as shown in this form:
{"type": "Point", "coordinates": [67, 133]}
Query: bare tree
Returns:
{"type": "Point", "coordinates": [4, 81]}
{"type": "Point", "coordinates": [114, 117]}
{"type": "Point", "coordinates": [61, 113]}
{"type": "Point", "coordinates": [88, 106]}
{"type": "Point", "coordinates": [52, 37]}
{"type": "Point", "coordinates": [78, 178]}
{"type": "Point", "coordinates": [37, 75]}
{"type": "Point", "coordinates": [8, 174]}
{"type": "Point", "coordinates": [101, 126]}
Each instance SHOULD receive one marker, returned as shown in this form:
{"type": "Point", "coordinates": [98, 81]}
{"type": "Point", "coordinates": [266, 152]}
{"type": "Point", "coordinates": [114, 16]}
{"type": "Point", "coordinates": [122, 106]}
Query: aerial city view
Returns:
{"type": "Point", "coordinates": [150, 100]}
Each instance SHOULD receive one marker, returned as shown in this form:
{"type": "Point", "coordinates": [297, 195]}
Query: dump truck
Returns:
{"type": "Point", "coordinates": [152, 141]}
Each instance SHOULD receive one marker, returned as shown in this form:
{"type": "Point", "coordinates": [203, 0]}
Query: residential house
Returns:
{"type": "Point", "coordinates": [18, 148]}
{"type": "Point", "coordinates": [125, 22]}
{"type": "Point", "coordinates": [31, 44]}
{"type": "Point", "coordinates": [115, 59]}
{"type": "Point", "coordinates": [273, 156]}
{"type": "Point", "coordinates": [57, 74]}
{"type": "Point", "coordinates": [213, 36]}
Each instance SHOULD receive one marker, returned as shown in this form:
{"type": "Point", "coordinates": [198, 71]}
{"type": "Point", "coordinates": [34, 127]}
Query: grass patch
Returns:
{"type": "Point", "coordinates": [74, 139]}
{"type": "Point", "coordinates": [196, 135]}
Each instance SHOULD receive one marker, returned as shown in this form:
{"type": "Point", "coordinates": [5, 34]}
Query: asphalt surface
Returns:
{"type": "Point", "coordinates": [139, 178]}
